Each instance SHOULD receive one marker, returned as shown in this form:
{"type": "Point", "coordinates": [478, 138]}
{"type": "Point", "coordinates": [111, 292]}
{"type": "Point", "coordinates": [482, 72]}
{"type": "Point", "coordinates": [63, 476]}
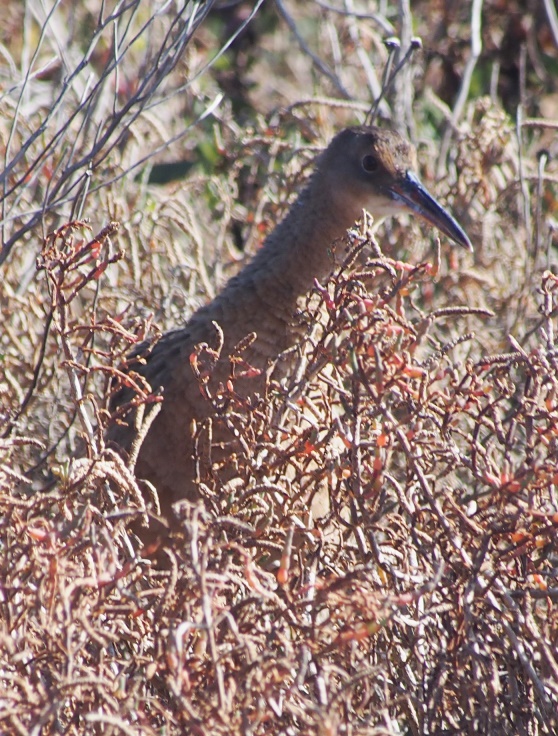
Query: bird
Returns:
{"type": "Point", "coordinates": [363, 168]}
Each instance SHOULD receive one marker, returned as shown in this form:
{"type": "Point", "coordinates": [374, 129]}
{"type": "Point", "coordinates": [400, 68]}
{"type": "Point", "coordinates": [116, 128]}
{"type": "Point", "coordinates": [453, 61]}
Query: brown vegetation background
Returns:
{"type": "Point", "coordinates": [147, 149]}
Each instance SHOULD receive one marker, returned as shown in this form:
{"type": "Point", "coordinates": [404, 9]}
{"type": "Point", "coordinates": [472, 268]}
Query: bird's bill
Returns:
{"type": "Point", "coordinates": [410, 192]}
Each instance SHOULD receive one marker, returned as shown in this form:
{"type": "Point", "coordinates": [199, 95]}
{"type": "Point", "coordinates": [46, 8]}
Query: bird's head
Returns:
{"type": "Point", "coordinates": [369, 168]}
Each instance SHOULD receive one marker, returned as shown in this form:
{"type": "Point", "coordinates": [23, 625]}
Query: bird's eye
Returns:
{"type": "Point", "coordinates": [370, 163]}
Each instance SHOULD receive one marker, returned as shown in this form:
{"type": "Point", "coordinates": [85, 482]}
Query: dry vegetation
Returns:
{"type": "Point", "coordinates": [385, 560]}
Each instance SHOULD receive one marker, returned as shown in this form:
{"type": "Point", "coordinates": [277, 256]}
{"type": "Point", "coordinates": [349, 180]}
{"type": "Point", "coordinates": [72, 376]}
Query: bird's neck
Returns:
{"type": "Point", "coordinates": [299, 250]}
{"type": "Point", "coordinates": [263, 297]}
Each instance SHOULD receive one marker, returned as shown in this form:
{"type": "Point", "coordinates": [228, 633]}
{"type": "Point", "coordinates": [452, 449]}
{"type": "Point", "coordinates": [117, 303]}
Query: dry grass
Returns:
{"type": "Point", "coordinates": [385, 560]}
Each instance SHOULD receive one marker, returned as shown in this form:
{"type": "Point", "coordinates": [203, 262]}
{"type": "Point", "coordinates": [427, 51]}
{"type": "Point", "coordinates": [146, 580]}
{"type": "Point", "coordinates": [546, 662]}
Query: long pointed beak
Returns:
{"type": "Point", "coordinates": [410, 192]}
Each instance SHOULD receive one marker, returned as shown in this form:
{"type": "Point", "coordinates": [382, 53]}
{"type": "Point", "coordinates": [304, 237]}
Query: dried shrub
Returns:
{"type": "Point", "coordinates": [387, 542]}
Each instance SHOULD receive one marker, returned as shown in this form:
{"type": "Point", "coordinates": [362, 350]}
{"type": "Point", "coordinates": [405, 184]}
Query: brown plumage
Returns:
{"type": "Point", "coordinates": [362, 168]}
